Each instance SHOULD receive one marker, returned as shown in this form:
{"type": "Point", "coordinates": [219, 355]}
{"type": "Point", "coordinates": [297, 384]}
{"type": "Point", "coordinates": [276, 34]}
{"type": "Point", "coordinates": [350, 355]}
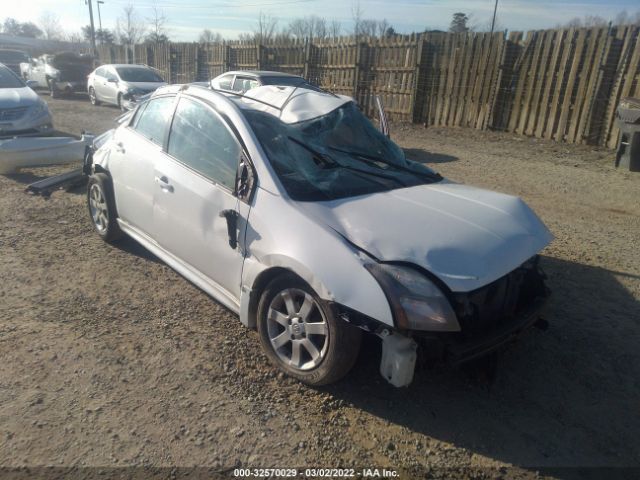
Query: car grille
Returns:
{"type": "Point", "coordinates": [488, 308]}
{"type": "Point", "coordinates": [12, 114]}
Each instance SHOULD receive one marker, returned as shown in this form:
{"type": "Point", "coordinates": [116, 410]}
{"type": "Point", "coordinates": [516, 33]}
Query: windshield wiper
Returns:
{"type": "Point", "coordinates": [331, 162]}
{"type": "Point", "coordinates": [372, 159]}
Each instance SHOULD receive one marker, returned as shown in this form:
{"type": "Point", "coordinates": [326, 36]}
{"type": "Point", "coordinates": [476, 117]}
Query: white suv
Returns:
{"type": "Point", "coordinates": [290, 208]}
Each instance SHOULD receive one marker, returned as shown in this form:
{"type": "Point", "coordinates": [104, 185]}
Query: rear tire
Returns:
{"type": "Point", "coordinates": [290, 313]}
{"type": "Point", "coordinates": [102, 209]}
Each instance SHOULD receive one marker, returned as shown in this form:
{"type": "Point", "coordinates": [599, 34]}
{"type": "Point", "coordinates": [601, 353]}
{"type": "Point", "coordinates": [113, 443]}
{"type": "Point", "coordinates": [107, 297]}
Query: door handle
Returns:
{"type": "Point", "coordinates": [120, 147]}
{"type": "Point", "coordinates": [164, 184]}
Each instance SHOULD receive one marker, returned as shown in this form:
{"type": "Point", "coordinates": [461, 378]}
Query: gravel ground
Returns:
{"type": "Point", "coordinates": [108, 358]}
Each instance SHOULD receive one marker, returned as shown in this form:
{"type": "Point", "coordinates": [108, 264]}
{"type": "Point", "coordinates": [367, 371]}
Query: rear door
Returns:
{"type": "Point", "coordinates": [138, 147]}
{"type": "Point", "coordinates": [196, 181]}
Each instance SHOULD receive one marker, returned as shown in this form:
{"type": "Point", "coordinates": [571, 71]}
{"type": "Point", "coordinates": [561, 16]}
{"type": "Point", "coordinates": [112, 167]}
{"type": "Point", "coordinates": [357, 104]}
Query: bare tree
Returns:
{"type": "Point", "coordinates": [129, 28]}
{"type": "Point", "coordinates": [334, 29]}
{"type": "Point", "coordinates": [308, 27]}
{"type": "Point", "coordinates": [157, 22]}
{"type": "Point", "coordinates": [50, 25]}
{"type": "Point", "coordinates": [207, 36]}
{"type": "Point", "coordinates": [356, 14]}
{"type": "Point", "coordinates": [382, 27]}
{"type": "Point", "coordinates": [265, 28]}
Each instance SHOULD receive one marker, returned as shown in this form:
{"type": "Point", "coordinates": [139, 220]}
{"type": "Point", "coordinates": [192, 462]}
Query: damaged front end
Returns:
{"type": "Point", "coordinates": [489, 318]}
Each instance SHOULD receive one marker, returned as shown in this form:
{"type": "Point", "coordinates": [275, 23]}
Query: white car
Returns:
{"type": "Point", "coordinates": [122, 84]}
{"type": "Point", "coordinates": [22, 111]}
{"type": "Point", "coordinates": [290, 208]}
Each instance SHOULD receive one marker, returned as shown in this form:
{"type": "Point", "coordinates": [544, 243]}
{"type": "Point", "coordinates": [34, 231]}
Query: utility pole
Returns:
{"type": "Point", "coordinates": [93, 28]}
{"type": "Point", "coordinates": [493, 22]}
{"type": "Point", "coordinates": [100, 2]}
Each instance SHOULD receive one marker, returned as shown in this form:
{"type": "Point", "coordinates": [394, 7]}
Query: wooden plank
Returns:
{"type": "Point", "coordinates": [594, 72]}
{"type": "Point", "coordinates": [568, 90]}
{"type": "Point", "coordinates": [627, 78]}
{"type": "Point", "coordinates": [520, 70]}
{"type": "Point", "coordinates": [546, 42]}
{"type": "Point", "coordinates": [442, 78]}
{"type": "Point", "coordinates": [580, 99]}
{"type": "Point", "coordinates": [567, 47]}
{"type": "Point", "coordinates": [557, 39]}
{"type": "Point", "coordinates": [530, 83]}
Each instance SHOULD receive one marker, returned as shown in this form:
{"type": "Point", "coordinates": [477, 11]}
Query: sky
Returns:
{"type": "Point", "coordinates": [187, 18]}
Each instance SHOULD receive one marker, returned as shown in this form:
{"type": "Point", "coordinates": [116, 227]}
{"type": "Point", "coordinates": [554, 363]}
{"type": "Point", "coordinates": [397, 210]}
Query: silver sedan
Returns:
{"type": "Point", "coordinates": [291, 209]}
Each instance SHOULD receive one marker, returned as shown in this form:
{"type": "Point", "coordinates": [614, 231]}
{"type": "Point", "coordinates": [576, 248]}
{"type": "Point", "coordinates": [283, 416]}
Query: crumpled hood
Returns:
{"type": "Point", "coordinates": [17, 97]}
{"type": "Point", "coordinates": [466, 236]}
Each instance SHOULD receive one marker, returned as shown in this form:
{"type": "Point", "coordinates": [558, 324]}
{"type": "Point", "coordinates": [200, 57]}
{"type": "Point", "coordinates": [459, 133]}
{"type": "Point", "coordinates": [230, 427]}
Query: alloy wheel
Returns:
{"type": "Point", "coordinates": [297, 329]}
{"type": "Point", "coordinates": [98, 207]}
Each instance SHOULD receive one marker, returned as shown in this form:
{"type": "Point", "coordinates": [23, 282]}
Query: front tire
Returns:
{"type": "Point", "coordinates": [93, 97]}
{"type": "Point", "coordinates": [300, 334]}
{"type": "Point", "coordinates": [120, 105]}
{"type": "Point", "coordinates": [102, 210]}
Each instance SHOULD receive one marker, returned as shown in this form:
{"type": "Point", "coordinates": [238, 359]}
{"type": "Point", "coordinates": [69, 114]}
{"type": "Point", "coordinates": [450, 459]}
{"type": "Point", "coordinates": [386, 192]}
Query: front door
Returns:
{"type": "Point", "coordinates": [195, 183]}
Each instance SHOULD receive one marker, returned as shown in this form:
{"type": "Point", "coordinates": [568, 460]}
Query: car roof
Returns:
{"type": "Point", "coordinates": [289, 104]}
{"type": "Point", "coordinates": [132, 65]}
{"type": "Point", "coordinates": [260, 73]}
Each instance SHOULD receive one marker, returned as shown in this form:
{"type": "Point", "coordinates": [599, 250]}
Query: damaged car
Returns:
{"type": "Point", "coordinates": [22, 111]}
{"type": "Point", "coordinates": [62, 73]}
{"type": "Point", "coordinates": [291, 209]}
{"type": "Point", "coordinates": [122, 85]}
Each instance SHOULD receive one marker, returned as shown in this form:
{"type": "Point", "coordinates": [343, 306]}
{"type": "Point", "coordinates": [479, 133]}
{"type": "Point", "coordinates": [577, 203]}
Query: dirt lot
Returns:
{"type": "Point", "coordinates": [108, 358]}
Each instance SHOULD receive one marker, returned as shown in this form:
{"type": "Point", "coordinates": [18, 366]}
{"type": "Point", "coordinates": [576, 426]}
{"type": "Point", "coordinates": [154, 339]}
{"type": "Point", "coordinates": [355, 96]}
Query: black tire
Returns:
{"type": "Point", "coordinates": [93, 97]}
{"type": "Point", "coordinates": [120, 106]}
{"type": "Point", "coordinates": [106, 224]}
{"type": "Point", "coordinates": [343, 339]}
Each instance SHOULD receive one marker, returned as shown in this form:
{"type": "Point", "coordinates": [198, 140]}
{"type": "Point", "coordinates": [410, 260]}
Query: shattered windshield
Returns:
{"type": "Point", "coordinates": [337, 155]}
{"type": "Point", "coordinates": [132, 74]}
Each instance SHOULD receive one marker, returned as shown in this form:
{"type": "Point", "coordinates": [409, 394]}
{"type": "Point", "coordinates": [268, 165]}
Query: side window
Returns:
{"type": "Point", "coordinates": [244, 84]}
{"type": "Point", "coordinates": [225, 82]}
{"type": "Point", "coordinates": [152, 122]}
{"type": "Point", "coordinates": [109, 75]}
{"type": "Point", "coordinates": [100, 72]}
{"type": "Point", "coordinates": [201, 140]}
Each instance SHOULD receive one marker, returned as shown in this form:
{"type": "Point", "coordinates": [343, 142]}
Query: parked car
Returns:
{"type": "Point", "coordinates": [291, 209]}
{"type": "Point", "coordinates": [13, 58]}
{"type": "Point", "coordinates": [64, 72]}
{"type": "Point", "coordinates": [122, 85]}
{"type": "Point", "coordinates": [22, 111]}
{"type": "Point", "coordinates": [244, 80]}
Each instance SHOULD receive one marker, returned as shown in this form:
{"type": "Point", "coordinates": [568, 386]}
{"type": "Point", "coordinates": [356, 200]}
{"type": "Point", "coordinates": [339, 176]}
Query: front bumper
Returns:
{"type": "Point", "coordinates": [41, 126]}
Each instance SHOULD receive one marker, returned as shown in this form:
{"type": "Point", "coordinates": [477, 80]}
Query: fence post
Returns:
{"type": "Point", "coordinates": [307, 58]}
{"type": "Point", "coordinates": [417, 79]}
{"type": "Point", "coordinates": [258, 55]}
{"type": "Point", "coordinates": [356, 74]}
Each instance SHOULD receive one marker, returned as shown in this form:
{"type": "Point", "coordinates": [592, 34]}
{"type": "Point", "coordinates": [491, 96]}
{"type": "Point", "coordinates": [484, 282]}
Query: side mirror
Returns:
{"type": "Point", "coordinates": [112, 80]}
{"type": "Point", "coordinates": [382, 116]}
{"type": "Point", "coordinates": [31, 83]}
{"type": "Point", "coordinates": [245, 179]}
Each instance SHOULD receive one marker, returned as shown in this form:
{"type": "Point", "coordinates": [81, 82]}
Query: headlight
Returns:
{"type": "Point", "coordinates": [39, 109]}
{"type": "Point", "coordinates": [417, 302]}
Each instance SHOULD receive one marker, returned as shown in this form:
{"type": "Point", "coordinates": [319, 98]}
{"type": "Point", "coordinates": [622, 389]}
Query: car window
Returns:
{"type": "Point", "coordinates": [109, 75]}
{"type": "Point", "coordinates": [100, 71]}
{"type": "Point", "coordinates": [152, 121]}
{"type": "Point", "coordinates": [200, 139]}
{"type": "Point", "coordinates": [225, 82]}
{"type": "Point", "coordinates": [244, 84]}
{"type": "Point", "coordinates": [138, 74]}
{"type": "Point", "coordinates": [8, 79]}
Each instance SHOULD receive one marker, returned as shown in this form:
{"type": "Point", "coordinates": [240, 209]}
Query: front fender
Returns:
{"type": "Point", "coordinates": [280, 236]}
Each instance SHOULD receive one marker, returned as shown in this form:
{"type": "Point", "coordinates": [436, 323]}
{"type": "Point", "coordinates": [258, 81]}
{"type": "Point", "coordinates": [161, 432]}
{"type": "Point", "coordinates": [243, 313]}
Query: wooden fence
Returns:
{"type": "Point", "coordinates": [560, 84]}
